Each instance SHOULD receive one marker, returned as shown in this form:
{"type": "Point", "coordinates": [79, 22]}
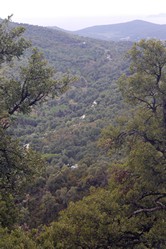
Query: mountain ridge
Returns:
{"type": "Point", "coordinates": [132, 31]}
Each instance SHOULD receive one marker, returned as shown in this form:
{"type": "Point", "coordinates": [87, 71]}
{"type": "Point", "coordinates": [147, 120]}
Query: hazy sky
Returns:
{"type": "Point", "coordinates": [75, 14]}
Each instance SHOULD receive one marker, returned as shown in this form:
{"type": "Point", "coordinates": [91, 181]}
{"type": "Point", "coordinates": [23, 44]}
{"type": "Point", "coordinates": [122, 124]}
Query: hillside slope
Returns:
{"type": "Point", "coordinates": [66, 130]}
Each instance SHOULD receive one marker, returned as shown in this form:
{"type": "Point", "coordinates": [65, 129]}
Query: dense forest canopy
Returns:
{"type": "Point", "coordinates": [96, 65]}
{"type": "Point", "coordinates": [112, 197]}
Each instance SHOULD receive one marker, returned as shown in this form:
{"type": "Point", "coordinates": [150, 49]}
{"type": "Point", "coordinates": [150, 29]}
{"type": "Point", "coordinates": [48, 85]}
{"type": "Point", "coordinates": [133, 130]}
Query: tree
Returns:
{"type": "Point", "coordinates": [17, 239]}
{"type": "Point", "coordinates": [33, 83]}
{"type": "Point", "coordinates": [85, 224]}
{"type": "Point", "coordinates": [102, 220]}
{"type": "Point", "coordinates": [147, 83]}
{"type": "Point", "coordinates": [142, 140]}
{"type": "Point", "coordinates": [130, 213]}
{"type": "Point", "coordinates": [24, 82]}
{"type": "Point", "coordinates": [11, 43]}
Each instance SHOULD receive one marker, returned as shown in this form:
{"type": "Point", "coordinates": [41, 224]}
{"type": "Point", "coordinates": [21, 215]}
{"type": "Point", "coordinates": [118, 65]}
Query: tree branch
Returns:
{"type": "Point", "coordinates": [150, 210]}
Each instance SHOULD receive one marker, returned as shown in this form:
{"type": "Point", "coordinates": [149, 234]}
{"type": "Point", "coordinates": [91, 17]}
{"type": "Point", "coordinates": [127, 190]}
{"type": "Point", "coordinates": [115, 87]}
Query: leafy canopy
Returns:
{"type": "Point", "coordinates": [131, 212]}
{"type": "Point", "coordinates": [24, 82]}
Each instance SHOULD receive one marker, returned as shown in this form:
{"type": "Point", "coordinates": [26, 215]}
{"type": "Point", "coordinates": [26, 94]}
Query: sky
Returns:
{"type": "Point", "coordinates": [77, 14]}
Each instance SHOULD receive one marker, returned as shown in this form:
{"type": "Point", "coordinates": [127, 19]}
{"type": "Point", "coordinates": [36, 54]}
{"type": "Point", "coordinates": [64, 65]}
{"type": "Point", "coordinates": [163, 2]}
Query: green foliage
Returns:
{"type": "Point", "coordinates": [51, 193]}
{"type": "Point", "coordinates": [17, 239]}
{"type": "Point", "coordinates": [19, 91]}
{"type": "Point", "coordinates": [147, 83]}
{"type": "Point", "coordinates": [127, 213]}
{"type": "Point", "coordinates": [11, 42]}
{"type": "Point", "coordinates": [18, 168]}
{"type": "Point", "coordinates": [130, 213]}
{"type": "Point", "coordinates": [97, 65]}
{"type": "Point", "coordinates": [9, 213]}
{"type": "Point", "coordinates": [141, 138]}
{"type": "Point", "coordinates": [34, 85]}
{"type": "Point", "coordinates": [102, 220]}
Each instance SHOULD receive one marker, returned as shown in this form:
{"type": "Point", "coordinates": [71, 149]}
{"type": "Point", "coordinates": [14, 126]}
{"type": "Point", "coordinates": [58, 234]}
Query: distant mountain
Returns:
{"type": "Point", "coordinates": [131, 31]}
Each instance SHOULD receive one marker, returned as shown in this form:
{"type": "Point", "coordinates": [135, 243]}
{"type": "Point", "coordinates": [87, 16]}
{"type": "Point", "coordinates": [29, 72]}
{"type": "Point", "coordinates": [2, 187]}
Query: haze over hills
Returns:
{"type": "Point", "coordinates": [131, 31]}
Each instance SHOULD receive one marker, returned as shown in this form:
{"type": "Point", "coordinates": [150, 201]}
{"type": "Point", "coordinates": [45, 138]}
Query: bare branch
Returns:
{"type": "Point", "coordinates": [149, 210]}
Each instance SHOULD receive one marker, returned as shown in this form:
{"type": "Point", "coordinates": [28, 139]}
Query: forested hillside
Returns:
{"type": "Point", "coordinates": [65, 130]}
{"type": "Point", "coordinates": [82, 141]}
